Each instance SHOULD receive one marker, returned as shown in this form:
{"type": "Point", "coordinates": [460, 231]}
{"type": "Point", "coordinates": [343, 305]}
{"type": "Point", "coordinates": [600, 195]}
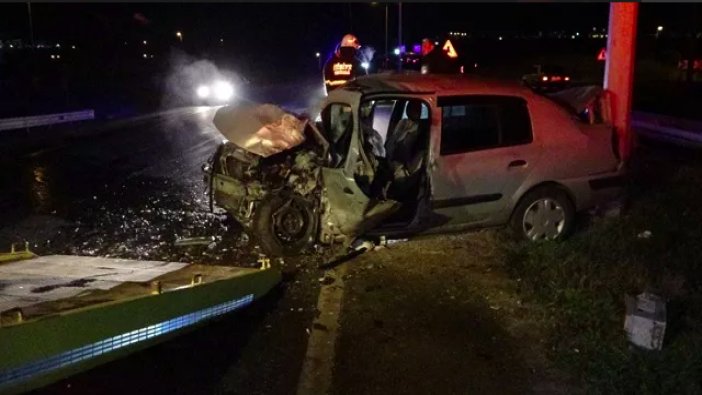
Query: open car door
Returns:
{"type": "Point", "coordinates": [349, 209]}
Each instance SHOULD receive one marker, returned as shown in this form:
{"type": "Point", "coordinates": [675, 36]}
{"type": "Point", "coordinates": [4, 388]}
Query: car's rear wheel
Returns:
{"type": "Point", "coordinates": [285, 224]}
{"type": "Point", "coordinates": [545, 213]}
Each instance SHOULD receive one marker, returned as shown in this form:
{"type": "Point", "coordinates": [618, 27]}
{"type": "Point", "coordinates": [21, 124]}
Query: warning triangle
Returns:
{"type": "Point", "coordinates": [448, 47]}
{"type": "Point", "coordinates": [602, 55]}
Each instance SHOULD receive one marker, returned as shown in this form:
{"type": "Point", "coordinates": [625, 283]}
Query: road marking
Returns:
{"type": "Point", "coordinates": [316, 375]}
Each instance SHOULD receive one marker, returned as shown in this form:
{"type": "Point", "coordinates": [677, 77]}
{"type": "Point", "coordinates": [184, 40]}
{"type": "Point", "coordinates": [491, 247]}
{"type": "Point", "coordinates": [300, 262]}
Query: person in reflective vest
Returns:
{"type": "Point", "coordinates": [344, 65]}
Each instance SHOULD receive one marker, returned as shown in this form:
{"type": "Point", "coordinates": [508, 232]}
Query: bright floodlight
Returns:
{"type": "Point", "coordinates": [223, 90]}
{"type": "Point", "coordinates": [397, 51]}
{"type": "Point", "coordinates": [365, 65]}
{"type": "Point", "coordinates": [203, 91]}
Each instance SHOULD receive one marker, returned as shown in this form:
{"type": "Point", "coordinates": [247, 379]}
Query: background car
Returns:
{"type": "Point", "coordinates": [216, 92]}
{"type": "Point", "coordinates": [548, 78]}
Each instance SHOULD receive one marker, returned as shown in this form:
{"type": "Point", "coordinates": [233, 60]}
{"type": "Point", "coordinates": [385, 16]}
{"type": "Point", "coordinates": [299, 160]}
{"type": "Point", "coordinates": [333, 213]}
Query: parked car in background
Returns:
{"type": "Point", "coordinates": [401, 154]}
{"type": "Point", "coordinates": [548, 78]}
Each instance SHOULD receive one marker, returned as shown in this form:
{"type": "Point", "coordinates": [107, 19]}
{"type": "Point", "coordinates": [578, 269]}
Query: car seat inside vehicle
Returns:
{"type": "Point", "coordinates": [406, 149]}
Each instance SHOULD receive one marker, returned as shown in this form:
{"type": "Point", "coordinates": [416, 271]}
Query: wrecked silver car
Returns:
{"type": "Point", "coordinates": [401, 154]}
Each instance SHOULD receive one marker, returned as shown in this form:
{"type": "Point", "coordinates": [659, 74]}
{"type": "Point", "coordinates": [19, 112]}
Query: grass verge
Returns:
{"type": "Point", "coordinates": [581, 283]}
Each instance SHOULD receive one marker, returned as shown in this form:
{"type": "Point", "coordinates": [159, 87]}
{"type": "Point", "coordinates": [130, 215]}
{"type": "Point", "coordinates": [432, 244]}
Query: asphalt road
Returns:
{"type": "Point", "coordinates": [129, 189]}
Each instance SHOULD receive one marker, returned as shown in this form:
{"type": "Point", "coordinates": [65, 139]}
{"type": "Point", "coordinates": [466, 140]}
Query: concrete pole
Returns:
{"type": "Point", "coordinates": [619, 69]}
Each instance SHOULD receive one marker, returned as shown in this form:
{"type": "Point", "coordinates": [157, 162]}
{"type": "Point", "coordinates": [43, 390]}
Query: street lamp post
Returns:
{"type": "Point", "coordinates": [180, 36]}
{"type": "Point", "coordinates": [386, 30]}
{"type": "Point", "coordinates": [319, 60]}
{"type": "Point", "coordinates": [399, 33]}
{"type": "Point", "coordinates": [31, 24]}
{"type": "Point", "coordinates": [659, 29]}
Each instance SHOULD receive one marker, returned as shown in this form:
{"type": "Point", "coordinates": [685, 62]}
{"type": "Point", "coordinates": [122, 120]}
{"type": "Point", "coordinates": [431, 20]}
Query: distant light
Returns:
{"type": "Point", "coordinates": [73, 47]}
{"type": "Point", "coordinates": [475, 66]}
{"type": "Point", "coordinates": [12, 46]}
{"type": "Point", "coordinates": [125, 43]}
{"type": "Point", "coordinates": [396, 51]}
{"type": "Point", "coordinates": [317, 54]}
{"type": "Point", "coordinates": [594, 29]}
{"type": "Point", "coordinates": [572, 37]}
{"type": "Point", "coordinates": [436, 43]}
{"type": "Point", "coordinates": [223, 90]}
{"type": "Point", "coordinates": [577, 34]}
{"type": "Point", "coordinates": [659, 28]}
{"type": "Point", "coordinates": [365, 65]}
{"type": "Point", "coordinates": [544, 78]}
{"type": "Point", "coordinates": [179, 34]}
{"type": "Point", "coordinates": [221, 40]}
{"type": "Point", "coordinates": [145, 56]}
{"type": "Point", "coordinates": [567, 78]}
{"type": "Point", "coordinates": [202, 91]}
{"type": "Point", "coordinates": [58, 56]}
{"type": "Point", "coordinates": [53, 56]}
{"type": "Point", "coordinates": [144, 42]}
{"type": "Point", "coordinates": [499, 38]}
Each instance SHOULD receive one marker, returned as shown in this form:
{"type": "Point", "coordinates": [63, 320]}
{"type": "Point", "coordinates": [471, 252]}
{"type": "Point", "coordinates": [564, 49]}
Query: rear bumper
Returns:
{"type": "Point", "coordinates": [588, 192]}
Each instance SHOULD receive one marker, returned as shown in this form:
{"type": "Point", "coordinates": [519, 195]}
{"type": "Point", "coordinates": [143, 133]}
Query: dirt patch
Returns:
{"type": "Point", "coordinates": [439, 315]}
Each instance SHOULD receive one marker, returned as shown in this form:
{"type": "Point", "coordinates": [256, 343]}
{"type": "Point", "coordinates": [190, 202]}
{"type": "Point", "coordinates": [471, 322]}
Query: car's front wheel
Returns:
{"type": "Point", "coordinates": [285, 224]}
{"type": "Point", "coordinates": [545, 213]}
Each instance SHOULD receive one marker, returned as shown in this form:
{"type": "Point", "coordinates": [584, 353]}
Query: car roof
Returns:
{"type": "Point", "coordinates": [439, 84]}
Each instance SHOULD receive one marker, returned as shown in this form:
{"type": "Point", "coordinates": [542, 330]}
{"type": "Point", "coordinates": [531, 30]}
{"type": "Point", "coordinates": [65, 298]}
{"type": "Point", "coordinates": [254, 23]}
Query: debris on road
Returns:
{"type": "Point", "coordinates": [646, 234]}
{"type": "Point", "coordinates": [192, 241]}
{"type": "Point", "coordinates": [645, 320]}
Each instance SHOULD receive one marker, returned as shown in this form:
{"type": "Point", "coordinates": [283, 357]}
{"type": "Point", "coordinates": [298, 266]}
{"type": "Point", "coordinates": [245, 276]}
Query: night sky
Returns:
{"type": "Point", "coordinates": [288, 28]}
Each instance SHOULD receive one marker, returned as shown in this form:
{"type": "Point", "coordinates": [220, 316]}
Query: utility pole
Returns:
{"type": "Point", "coordinates": [619, 69]}
{"type": "Point", "coordinates": [399, 34]}
{"type": "Point", "coordinates": [31, 25]}
{"type": "Point", "coordinates": [386, 30]}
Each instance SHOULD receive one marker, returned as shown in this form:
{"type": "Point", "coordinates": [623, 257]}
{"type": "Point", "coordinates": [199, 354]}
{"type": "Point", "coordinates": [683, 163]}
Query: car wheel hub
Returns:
{"type": "Point", "coordinates": [544, 219]}
{"type": "Point", "coordinates": [289, 222]}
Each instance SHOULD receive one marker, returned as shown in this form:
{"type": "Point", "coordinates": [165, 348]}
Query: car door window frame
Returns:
{"type": "Point", "coordinates": [348, 136]}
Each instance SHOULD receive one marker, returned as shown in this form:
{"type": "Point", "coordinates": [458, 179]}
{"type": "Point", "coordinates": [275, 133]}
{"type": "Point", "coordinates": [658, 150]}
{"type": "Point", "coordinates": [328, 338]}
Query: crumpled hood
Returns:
{"type": "Point", "coordinates": [262, 129]}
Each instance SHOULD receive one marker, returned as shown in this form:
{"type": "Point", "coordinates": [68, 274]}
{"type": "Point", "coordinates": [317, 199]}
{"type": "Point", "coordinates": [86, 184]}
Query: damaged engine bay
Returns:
{"type": "Point", "coordinates": [267, 175]}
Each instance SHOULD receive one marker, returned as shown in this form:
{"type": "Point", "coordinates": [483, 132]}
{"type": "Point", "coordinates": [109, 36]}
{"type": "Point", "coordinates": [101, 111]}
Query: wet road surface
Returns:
{"type": "Point", "coordinates": [130, 189]}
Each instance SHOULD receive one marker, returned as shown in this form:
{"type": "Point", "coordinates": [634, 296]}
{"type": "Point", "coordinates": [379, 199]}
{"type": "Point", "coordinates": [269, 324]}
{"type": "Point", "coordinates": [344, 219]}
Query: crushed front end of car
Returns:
{"type": "Point", "coordinates": [267, 175]}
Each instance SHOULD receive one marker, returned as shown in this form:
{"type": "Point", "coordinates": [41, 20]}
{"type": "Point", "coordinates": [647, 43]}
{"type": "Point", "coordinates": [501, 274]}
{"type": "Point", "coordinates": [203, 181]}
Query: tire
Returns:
{"type": "Point", "coordinates": [545, 213]}
{"type": "Point", "coordinates": [285, 224]}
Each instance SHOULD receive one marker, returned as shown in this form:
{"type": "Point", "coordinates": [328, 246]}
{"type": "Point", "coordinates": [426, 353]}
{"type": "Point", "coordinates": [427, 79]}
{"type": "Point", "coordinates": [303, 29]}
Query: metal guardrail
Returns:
{"type": "Point", "coordinates": [43, 120]}
{"type": "Point", "coordinates": [665, 128]}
